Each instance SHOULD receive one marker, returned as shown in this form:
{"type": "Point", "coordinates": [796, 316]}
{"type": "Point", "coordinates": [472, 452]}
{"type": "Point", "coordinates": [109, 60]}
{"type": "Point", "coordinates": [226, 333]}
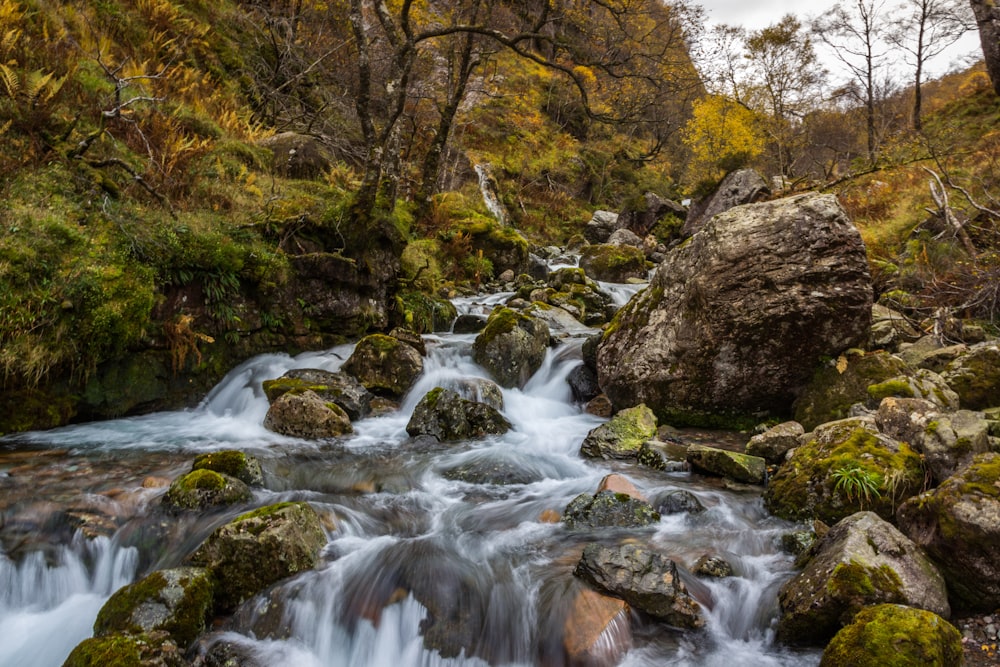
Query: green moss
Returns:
{"type": "Point", "coordinates": [853, 581]}
{"type": "Point", "coordinates": [231, 462]}
{"type": "Point", "coordinates": [204, 479]}
{"type": "Point", "coordinates": [267, 511]}
{"type": "Point", "coordinates": [890, 635]}
{"type": "Point", "coordinates": [897, 387]}
{"type": "Point", "coordinates": [831, 394]}
{"type": "Point", "coordinates": [201, 488]}
{"type": "Point", "coordinates": [113, 651]}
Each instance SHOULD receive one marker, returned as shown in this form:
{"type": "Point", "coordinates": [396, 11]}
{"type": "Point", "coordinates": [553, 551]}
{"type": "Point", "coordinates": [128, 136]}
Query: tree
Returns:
{"type": "Point", "coordinates": [987, 15]}
{"type": "Point", "coordinates": [924, 29]}
{"type": "Point", "coordinates": [722, 135]}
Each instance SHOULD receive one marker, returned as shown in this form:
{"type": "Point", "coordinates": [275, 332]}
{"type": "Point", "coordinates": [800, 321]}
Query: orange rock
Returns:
{"type": "Point", "coordinates": [597, 630]}
{"type": "Point", "coordinates": [155, 483]}
{"type": "Point", "coordinates": [549, 516]}
{"type": "Point", "coordinates": [620, 484]}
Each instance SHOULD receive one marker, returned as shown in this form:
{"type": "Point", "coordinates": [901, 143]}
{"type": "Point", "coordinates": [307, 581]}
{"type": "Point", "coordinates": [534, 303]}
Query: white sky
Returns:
{"type": "Point", "coordinates": [755, 14]}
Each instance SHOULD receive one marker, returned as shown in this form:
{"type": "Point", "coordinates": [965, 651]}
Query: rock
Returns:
{"type": "Point", "coordinates": [411, 338]}
{"type": "Point", "coordinates": [448, 417]}
{"type": "Point", "coordinates": [733, 322]}
{"type": "Point", "coordinates": [666, 456]}
{"type": "Point", "coordinates": [339, 388]}
{"type": "Point", "coordinates": [511, 347]}
{"type": "Point", "coordinates": [492, 468]}
{"type": "Point", "coordinates": [469, 323]}
{"type": "Point", "coordinates": [835, 388]}
{"type": "Point", "coordinates": [798, 542]}
{"type": "Point", "coordinates": [892, 634]}
{"type": "Point", "coordinates": [599, 406]}
{"type": "Point", "coordinates": [846, 466]}
{"type": "Point", "coordinates": [773, 444]}
{"type": "Point", "coordinates": [217, 649]}
{"type": "Point", "coordinates": [862, 561]}
{"type": "Point", "coordinates": [619, 484]}
{"type": "Point", "coordinates": [259, 548]}
{"type": "Point", "coordinates": [538, 268]}
{"type": "Point", "coordinates": [570, 289]}
{"type": "Point", "coordinates": [724, 463]}
{"type": "Point", "coordinates": [712, 566]}
{"type": "Point", "coordinates": [201, 489]}
{"type": "Point", "coordinates": [924, 384]}
{"type": "Point", "coordinates": [234, 463]}
{"type": "Point", "coordinates": [149, 650]}
{"type": "Point", "coordinates": [929, 353]}
{"type": "Point", "coordinates": [645, 579]}
{"type": "Point", "coordinates": [177, 601]}
{"type": "Point", "coordinates": [613, 263]}
{"type": "Point", "coordinates": [597, 630]}
{"type": "Point", "coordinates": [306, 415]}
{"type": "Point", "coordinates": [601, 226]}
{"type": "Point", "coordinates": [737, 188]}
{"type": "Point", "coordinates": [583, 383]}
{"type": "Point", "coordinates": [421, 313]}
{"type": "Point", "coordinates": [298, 155]}
{"type": "Point", "coordinates": [678, 502]}
{"type": "Point", "coordinates": [975, 376]}
{"type": "Point", "coordinates": [480, 390]}
{"type": "Point", "coordinates": [890, 328]}
{"type": "Point", "coordinates": [622, 436]}
{"type": "Point", "coordinates": [947, 441]}
{"type": "Point", "coordinates": [608, 510]}
{"type": "Point", "coordinates": [384, 365]}
{"type": "Point", "coordinates": [958, 525]}
{"type": "Point", "coordinates": [625, 237]}
{"type": "Point", "coordinates": [642, 216]}
{"type": "Point", "coordinates": [561, 322]}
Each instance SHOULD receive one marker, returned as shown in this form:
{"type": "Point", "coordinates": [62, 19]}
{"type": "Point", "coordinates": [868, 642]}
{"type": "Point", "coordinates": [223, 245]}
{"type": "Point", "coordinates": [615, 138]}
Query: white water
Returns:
{"type": "Point", "coordinates": [512, 567]}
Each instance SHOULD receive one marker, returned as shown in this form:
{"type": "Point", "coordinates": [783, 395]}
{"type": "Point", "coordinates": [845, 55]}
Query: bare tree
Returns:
{"type": "Point", "coordinates": [987, 15]}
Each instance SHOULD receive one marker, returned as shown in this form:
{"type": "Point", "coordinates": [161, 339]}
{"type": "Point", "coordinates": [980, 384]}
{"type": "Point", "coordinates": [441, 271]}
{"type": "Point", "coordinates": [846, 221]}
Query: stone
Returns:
{"type": "Point", "coordinates": [177, 601]}
{"type": "Point", "coordinates": [599, 406]}
{"type": "Point", "coordinates": [597, 629]}
{"type": "Point", "coordinates": [259, 548]}
{"type": "Point", "coordinates": [927, 352]}
{"type": "Point", "coordinates": [958, 526]}
{"type": "Point", "coordinates": [445, 415]}
{"type": "Point", "coordinates": [492, 468]}
{"type": "Point", "coordinates": [480, 390]}
{"type": "Point", "coordinates": [296, 155]}
{"type": "Point", "coordinates": [306, 415]}
{"type": "Point", "coordinates": [642, 216]}
{"type": "Point", "coordinates": [411, 338]}
{"type": "Point", "coordinates": [924, 384]}
{"type": "Point", "coordinates": [583, 383]}
{"type": "Point", "coordinates": [665, 456]}
{"type": "Point", "coordinates": [613, 263]}
{"type": "Point", "coordinates": [119, 650]}
{"type": "Point", "coordinates": [863, 560]}
{"type": "Point", "coordinates": [737, 188]}
{"type": "Point", "coordinates": [734, 321]}
{"type": "Point", "coordinates": [384, 365]}
{"type": "Point", "coordinates": [712, 566]}
{"type": "Point", "coordinates": [622, 436]}
{"type": "Point", "coordinates": [619, 484]}
{"type": "Point", "coordinates": [625, 237]}
{"type": "Point", "coordinates": [511, 347]}
{"type": "Point", "coordinates": [890, 328]}
{"type": "Point", "coordinates": [893, 634]}
{"type": "Point", "coordinates": [773, 444]}
{"type": "Point", "coordinates": [678, 502]}
{"type": "Point", "coordinates": [602, 224]}
{"type": "Point", "coordinates": [975, 376]}
{"type": "Point", "coordinates": [608, 510]}
{"type": "Point", "coordinates": [243, 467]}
{"type": "Point", "coordinates": [202, 489]}
{"type": "Point", "coordinates": [469, 323]}
{"type": "Point", "coordinates": [724, 463]}
{"type": "Point", "coordinates": [645, 579]}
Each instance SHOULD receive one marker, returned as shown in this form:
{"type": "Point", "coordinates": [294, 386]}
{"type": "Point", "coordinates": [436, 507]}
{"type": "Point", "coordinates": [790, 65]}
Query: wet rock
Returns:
{"type": "Point", "coordinates": [306, 415]}
{"type": "Point", "coordinates": [892, 634]}
{"type": "Point", "coordinates": [602, 224]}
{"type": "Point", "coordinates": [622, 436]}
{"type": "Point", "coordinates": [608, 510]}
{"type": "Point", "coordinates": [218, 649]}
{"type": "Point", "coordinates": [798, 542]}
{"type": "Point", "coordinates": [384, 365]}
{"type": "Point", "coordinates": [259, 548]}
{"type": "Point", "coordinates": [923, 384]}
{"type": "Point", "coordinates": [570, 289]}
{"type": "Point", "coordinates": [201, 489]}
{"type": "Point", "coordinates": [975, 376]}
{"type": "Point", "coordinates": [583, 383]}
{"type": "Point", "coordinates": [645, 579]}
{"type": "Point", "coordinates": [678, 502]}
{"type": "Point", "coordinates": [599, 406]}
{"type": "Point", "coordinates": [243, 467]}
{"type": "Point", "coordinates": [737, 188]}
{"type": "Point", "coordinates": [846, 466]}
{"type": "Point", "coordinates": [666, 456]}
{"type": "Point", "coordinates": [947, 441]}
{"type": "Point", "coordinates": [469, 323]}
{"type": "Point", "coordinates": [773, 444]}
{"type": "Point", "coordinates": [480, 390]}
{"type": "Point", "coordinates": [339, 388]}
{"type": "Point", "coordinates": [563, 320]}
{"type": "Point", "coordinates": [448, 417]}
{"type": "Point", "coordinates": [148, 650]}
{"type": "Point", "coordinates": [724, 463]}
{"type": "Point", "coordinates": [511, 347]}
{"type": "Point", "coordinates": [497, 470]}
{"type": "Point", "coordinates": [712, 566]}
{"type": "Point", "coordinates": [538, 268]}
{"type": "Point", "coordinates": [411, 338]}
{"type": "Point", "coordinates": [733, 322]}
{"type": "Point", "coordinates": [613, 263]}
{"type": "Point", "coordinates": [177, 601]}
{"type": "Point", "coordinates": [958, 525]}
{"type": "Point", "coordinates": [620, 484]}
{"type": "Point", "coordinates": [597, 630]}
{"type": "Point", "coordinates": [861, 561]}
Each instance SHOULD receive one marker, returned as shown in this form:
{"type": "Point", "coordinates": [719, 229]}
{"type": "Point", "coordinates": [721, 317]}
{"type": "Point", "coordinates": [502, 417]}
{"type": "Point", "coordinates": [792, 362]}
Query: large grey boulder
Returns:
{"type": "Point", "coordinates": [644, 578]}
{"type": "Point", "coordinates": [511, 347]}
{"type": "Point", "coordinates": [737, 188]}
{"type": "Point", "coordinates": [306, 415]}
{"type": "Point", "coordinates": [384, 365]}
{"type": "Point", "coordinates": [863, 560]}
{"type": "Point", "coordinates": [602, 224]}
{"type": "Point", "coordinates": [448, 417]}
{"type": "Point", "coordinates": [735, 322]}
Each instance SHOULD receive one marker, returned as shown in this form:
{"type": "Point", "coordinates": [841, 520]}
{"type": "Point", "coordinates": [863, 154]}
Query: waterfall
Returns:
{"type": "Point", "coordinates": [491, 194]}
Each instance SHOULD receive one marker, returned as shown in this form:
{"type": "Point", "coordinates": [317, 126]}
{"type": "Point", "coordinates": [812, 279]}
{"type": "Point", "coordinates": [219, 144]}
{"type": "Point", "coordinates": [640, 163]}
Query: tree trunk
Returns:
{"type": "Point", "coordinates": [988, 19]}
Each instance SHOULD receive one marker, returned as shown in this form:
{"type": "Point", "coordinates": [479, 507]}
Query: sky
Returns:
{"type": "Point", "coordinates": [755, 14]}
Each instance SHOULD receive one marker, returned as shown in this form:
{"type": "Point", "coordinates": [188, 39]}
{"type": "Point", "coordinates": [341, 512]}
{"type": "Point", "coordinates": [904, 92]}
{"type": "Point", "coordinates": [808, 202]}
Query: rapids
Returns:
{"type": "Point", "coordinates": [81, 519]}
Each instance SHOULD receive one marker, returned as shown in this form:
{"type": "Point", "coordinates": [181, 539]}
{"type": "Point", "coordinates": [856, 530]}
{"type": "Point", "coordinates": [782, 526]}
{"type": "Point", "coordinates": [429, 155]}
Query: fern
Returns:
{"type": "Point", "coordinates": [11, 81]}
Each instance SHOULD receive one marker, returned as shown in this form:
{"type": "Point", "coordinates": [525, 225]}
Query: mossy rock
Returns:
{"type": "Point", "coordinates": [424, 313]}
{"type": "Point", "coordinates": [831, 393]}
{"type": "Point", "coordinates": [892, 635]}
{"type": "Point", "coordinates": [445, 415]}
{"type": "Point", "coordinates": [622, 437]}
{"type": "Point", "coordinates": [308, 416]}
{"type": "Point", "coordinates": [384, 365]}
{"type": "Point", "coordinates": [176, 601]}
{"type": "Point", "coordinates": [975, 376]}
{"type": "Point", "coordinates": [848, 466]}
{"type": "Point", "coordinates": [613, 263]}
{"type": "Point", "coordinates": [202, 488]}
{"type": "Point", "coordinates": [724, 463]}
{"type": "Point", "coordinates": [923, 384]}
{"type": "Point", "coordinates": [234, 463]}
{"type": "Point", "coordinates": [156, 650]}
{"type": "Point", "coordinates": [608, 509]}
{"type": "Point", "coordinates": [34, 409]}
{"type": "Point", "coordinates": [339, 388]}
{"type": "Point", "coordinates": [259, 548]}
{"type": "Point", "coordinates": [511, 347]}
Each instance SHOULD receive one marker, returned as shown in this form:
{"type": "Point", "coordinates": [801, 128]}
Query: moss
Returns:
{"type": "Point", "coordinates": [113, 651]}
{"type": "Point", "coordinates": [831, 394]}
{"type": "Point", "coordinates": [897, 387]}
{"type": "Point", "coordinates": [501, 321]}
{"type": "Point", "coordinates": [201, 488]}
{"type": "Point", "coordinates": [230, 462]}
{"type": "Point", "coordinates": [890, 635]}
{"type": "Point", "coordinates": [202, 479]}
{"type": "Point", "coordinates": [266, 512]}
{"type": "Point", "coordinates": [853, 581]}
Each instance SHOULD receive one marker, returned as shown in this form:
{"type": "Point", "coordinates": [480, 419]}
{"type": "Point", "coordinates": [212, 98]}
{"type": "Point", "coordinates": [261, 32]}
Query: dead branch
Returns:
{"type": "Point", "coordinates": [940, 196]}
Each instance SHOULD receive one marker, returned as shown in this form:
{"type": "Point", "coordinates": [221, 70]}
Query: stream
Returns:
{"type": "Point", "coordinates": [80, 517]}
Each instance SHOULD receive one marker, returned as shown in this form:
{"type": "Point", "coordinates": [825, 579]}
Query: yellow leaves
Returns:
{"type": "Point", "coordinates": [841, 364]}
{"type": "Point", "coordinates": [722, 135]}
{"type": "Point", "coordinates": [33, 88]}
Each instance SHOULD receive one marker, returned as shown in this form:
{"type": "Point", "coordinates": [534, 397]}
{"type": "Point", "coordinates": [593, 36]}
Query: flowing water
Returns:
{"type": "Point", "coordinates": [407, 520]}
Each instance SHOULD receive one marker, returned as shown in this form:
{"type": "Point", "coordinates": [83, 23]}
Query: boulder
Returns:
{"type": "Point", "coordinates": [861, 561]}
{"type": "Point", "coordinates": [958, 525]}
{"type": "Point", "coordinates": [641, 216]}
{"type": "Point", "coordinates": [625, 237]}
{"type": "Point", "coordinates": [666, 456]}
{"type": "Point", "coordinates": [620, 484]}
{"type": "Point", "coordinates": [622, 436]}
{"type": "Point", "coordinates": [645, 579]}
{"type": "Point", "coordinates": [678, 502]}
{"type": "Point", "coordinates": [480, 390]}
{"type": "Point", "coordinates": [602, 224]}
{"type": "Point", "coordinates": [448, 417]}
{"type": "Point", "coordinates": [177, 601]}
{"type": "Point", "coordinates": [846, 466]}
{"type": "Point", "coordinates": [613, 263]}
{"type": "Point", "coordinates": [928, 352]}
{"type": "Point", "coordinates": [890, 329]}
{"type": "Point", "coordinates": [597, 630]}
{"type": "Point", "coordinates": [259, 548]}
{"type": "Point", "coordinates": [975, 376]}
{"type": "Point", "coordinates": [306, 415]}
{"type": "Point", "coordinates": [469, 323]}
{"type": "Point", "coordinates": [712, 566]}
{"type": "Point", "coordinates": [411, 338]}
{"type": "Point", "coordinates": [737, 188]}
{"type": "Point", "coordinates": [923, 384]}
{"type": "Point", "coordinates": [583, 383]}
{"type": "Point", "coordinates": [773, 444]}
{"type": "Point", "coordinates": [724, 463]}
{"type": "Point", "coordinates": [608, 509]}
{"type": "Point", "coordinates": [234, 463]}
{"type": "Point", "coordinates": [511, 347]}
{"type": "Point", "coordinates": [148, 650]}
{"type": "Point", "coordinates": [893, 634]}
{"type": "Point", "coordinates": [202, 489]}
{"type": "Point", "coordinates": [384, 365]}
{"type": "Point", "coordinates": [946, 440]}
{"type": "Point", "coordinates": [298, 155]}
{"type": "Point", "coordinates": [734, 321]}
{"type": "Point", "coordinates": [492, 467]}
